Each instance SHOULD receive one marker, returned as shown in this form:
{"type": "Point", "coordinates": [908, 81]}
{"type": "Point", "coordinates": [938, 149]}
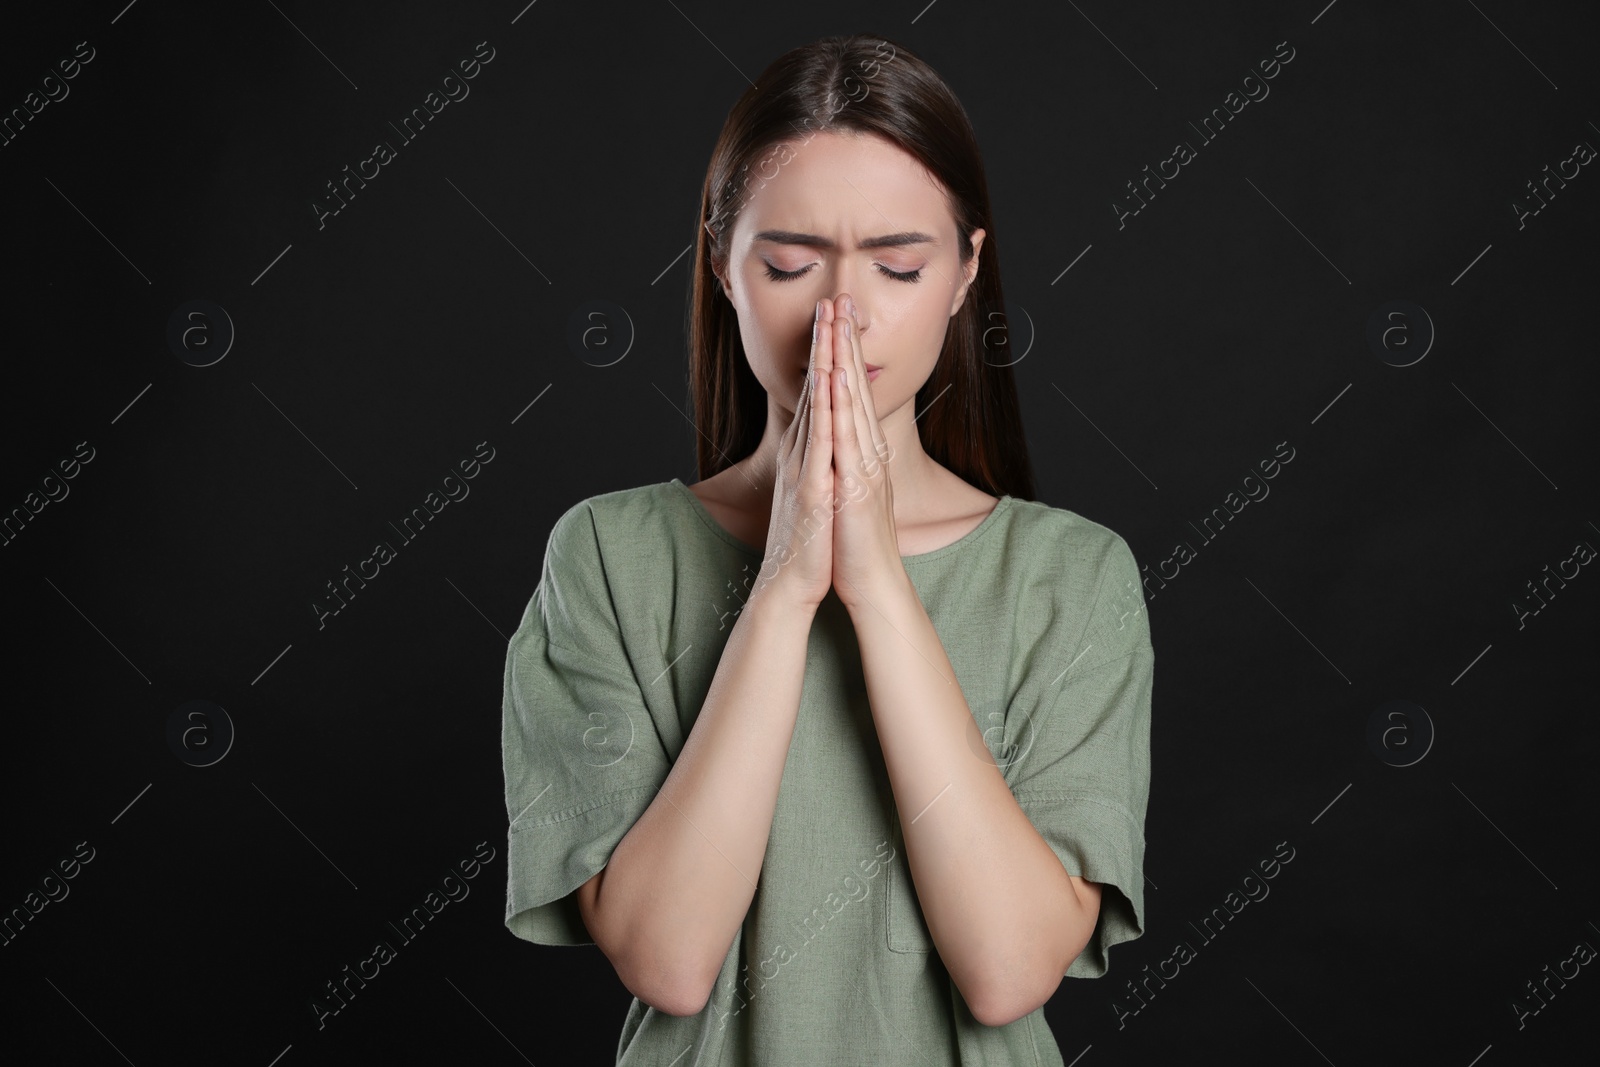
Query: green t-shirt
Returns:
{"type": "Point", "coordinates": [1042, 616]}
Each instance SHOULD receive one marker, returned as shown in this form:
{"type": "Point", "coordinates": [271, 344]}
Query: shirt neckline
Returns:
{"type": "Point", "coordinates": [705, 516]}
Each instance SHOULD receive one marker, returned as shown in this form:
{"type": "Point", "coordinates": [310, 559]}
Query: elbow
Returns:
{"type": "Point", "coordinates": [998, 1012]}
{"type": "Point", "coordinates": [990, 1001]}
{"type": "Point", "coordinates": [666, 992]}
{"type": "Point", "coordinates": [663, 984]}
{"type": "Point", "coordinates": [1020, 983]}
{"type": "Point", "coordinates": [650, 970]}
{"type": "Point", "coordinates": [1010, 993]}
{"type": "Point", "coordinates": [684, 1006]}
{"type": "Point", "coordinates": [999, 1009]}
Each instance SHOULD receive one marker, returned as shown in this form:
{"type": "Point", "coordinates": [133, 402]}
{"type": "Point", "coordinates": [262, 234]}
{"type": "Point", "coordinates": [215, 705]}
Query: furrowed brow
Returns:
{"type": "Point", "coordinates": [811, 240]}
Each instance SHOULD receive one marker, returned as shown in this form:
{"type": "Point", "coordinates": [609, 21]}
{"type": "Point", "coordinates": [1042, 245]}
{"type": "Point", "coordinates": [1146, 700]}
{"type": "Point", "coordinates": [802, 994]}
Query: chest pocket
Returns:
{"type": "Point", "coordinates": [907, 930]}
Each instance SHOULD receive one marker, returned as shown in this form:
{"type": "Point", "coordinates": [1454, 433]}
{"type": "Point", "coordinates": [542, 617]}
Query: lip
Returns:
{"type": "Point", "coordinates": [873, 370]}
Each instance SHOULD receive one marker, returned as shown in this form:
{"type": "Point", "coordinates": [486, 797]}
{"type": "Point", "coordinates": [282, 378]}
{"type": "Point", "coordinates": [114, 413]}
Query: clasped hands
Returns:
{"type": "Point", "coordinates": [842, 456]}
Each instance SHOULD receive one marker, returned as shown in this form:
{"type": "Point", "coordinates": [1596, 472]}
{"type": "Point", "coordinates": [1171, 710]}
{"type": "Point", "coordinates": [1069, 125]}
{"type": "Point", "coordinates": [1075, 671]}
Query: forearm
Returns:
{"type": "Point", "coordinates": [999, 905]}
{"type": "Point", "coordinates": [679, 884]}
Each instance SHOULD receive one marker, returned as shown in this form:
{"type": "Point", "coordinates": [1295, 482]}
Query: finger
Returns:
{"type": "Point", "coordinates": [868, 411]}
{"type": "Point", "coordinates": [870, 434]}
{"type": "Point", "coordinates": [866, 456]}
{"type": "Point", "coordinates": [822, 382]}
{"type": "Point", "coordinates": [821, 458]}
{"type": "Point", "coordinates": [846, 397]}
{"type": "Point", "coordinates": [803, 409]}
{"type": "Point", "coordinates": [826, 351]}
{"type": "Point", "coordinates": [808, 431]}
{"type": "Point", "coordinates": [811, 442]}
{"type": "Point", "coordinates": [794, 435]}
{"type": "Point", "coordinates": [799, 431]}
{"type": "Point", "coordinates": [846, 436]}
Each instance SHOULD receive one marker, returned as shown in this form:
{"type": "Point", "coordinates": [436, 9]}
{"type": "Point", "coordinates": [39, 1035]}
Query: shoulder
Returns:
{"type": "Point", "coordinates": [610, 538]}
{"type": "Point", "coordinates": [609, 517]}
{"type": "Point", "coordinates": [1050, 532]}
{"type": "Point", "coordinates": [601, 550]}
{"type": "Point", "coordinates": [1086, 571]}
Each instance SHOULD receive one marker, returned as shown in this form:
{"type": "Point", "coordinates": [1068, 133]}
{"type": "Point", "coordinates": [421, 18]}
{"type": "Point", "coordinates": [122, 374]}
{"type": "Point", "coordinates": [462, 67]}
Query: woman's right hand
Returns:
{"type": "Point", "coordinates": [799, 558]}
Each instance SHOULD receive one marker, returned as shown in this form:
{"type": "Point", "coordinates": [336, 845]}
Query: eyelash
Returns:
{"type": "Point", "coordinates": [789, 275]}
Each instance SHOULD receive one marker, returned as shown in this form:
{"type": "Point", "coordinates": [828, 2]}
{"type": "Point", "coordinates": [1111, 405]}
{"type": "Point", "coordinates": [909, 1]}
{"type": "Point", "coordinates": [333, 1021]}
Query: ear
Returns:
{"type": "Point", "coordinates": [971, 270]}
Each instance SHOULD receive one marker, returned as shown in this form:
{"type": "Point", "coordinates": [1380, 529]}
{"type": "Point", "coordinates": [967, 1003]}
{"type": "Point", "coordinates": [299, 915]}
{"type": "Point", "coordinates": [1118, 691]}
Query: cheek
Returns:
{"type": "Point", "coordinates": [921, 321]}
{"type": "Point", "coordinates": [913, 334]}
{"type": "Point", "coordinates": [778, 330]}
{"type": "Point", "coordinates": [775, 355]}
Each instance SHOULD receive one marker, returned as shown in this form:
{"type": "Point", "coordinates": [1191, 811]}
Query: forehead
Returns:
{"type": "Point", "coordinates": [852, 183]}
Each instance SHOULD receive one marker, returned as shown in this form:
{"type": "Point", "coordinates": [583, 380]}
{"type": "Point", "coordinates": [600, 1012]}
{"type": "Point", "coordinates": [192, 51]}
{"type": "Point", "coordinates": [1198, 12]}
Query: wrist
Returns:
{"type": "Point", "coordinates": [885, 593]}
{"type": "Point", "coordinates": [777, 596]}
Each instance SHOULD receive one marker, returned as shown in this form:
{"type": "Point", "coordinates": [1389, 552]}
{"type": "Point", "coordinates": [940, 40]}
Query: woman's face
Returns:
{"type": "Point", "coordinates": [815, 229]}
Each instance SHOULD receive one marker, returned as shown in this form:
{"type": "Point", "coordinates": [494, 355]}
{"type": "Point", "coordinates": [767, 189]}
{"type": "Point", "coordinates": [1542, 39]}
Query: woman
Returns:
{"type": "Point", "coordinates": [876, 803]}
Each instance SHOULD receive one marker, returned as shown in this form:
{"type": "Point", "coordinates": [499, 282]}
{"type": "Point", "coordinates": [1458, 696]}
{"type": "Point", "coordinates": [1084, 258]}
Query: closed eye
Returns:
{"type": "Point", "coordinates": [789, 275]}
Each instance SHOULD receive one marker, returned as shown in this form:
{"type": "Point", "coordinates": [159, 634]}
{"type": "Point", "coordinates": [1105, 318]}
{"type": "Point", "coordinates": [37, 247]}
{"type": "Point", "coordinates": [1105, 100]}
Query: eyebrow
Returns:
{"type": "Point", "coordinates": [811, 240]}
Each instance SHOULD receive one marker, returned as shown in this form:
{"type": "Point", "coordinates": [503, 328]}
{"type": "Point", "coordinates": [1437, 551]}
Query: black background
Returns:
{"type": "Point", "coordinates": [373, 354]}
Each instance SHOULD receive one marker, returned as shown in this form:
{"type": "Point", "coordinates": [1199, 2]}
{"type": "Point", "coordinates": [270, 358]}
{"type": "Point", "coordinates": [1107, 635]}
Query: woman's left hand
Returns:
{"type": "Point", "coordinates": [866, 546]}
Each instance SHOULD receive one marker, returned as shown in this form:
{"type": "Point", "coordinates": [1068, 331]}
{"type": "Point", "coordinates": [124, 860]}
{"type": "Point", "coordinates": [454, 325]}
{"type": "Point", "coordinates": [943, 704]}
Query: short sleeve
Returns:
{"type": "Point", "coordinates": [580, 751]}
{"type": "Point", "coordinates": [1082, 769]}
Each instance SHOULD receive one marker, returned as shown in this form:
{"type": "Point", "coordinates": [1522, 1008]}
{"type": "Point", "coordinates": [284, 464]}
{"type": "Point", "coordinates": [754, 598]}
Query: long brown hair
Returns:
{"type": "Point", "coordinates": [971, 421]}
